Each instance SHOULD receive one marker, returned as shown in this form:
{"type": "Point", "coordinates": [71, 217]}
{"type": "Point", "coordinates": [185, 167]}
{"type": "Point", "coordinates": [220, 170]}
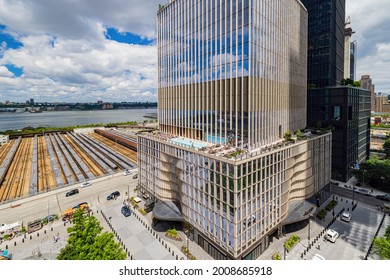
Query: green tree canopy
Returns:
{"type": "Point", "coordinates": [345, 82]}
{"type": "Point", "coordinates": [386, 147]}
{"type": "Point", "coordinates": [87, 242]}
{"type": "Point", "coordinates": [376, 173]}
{"type": "Point", "coordinates": [382, 245]}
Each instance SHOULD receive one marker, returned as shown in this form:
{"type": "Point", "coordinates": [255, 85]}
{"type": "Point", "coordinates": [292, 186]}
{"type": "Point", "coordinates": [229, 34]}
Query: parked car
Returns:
{"type": "Point", "coordinates": [86, 184]}
{"type": "Point", "coordinates": [113, 195]}
{"type": "Point", "coordinates": [135, 176]}
{"type": "Point", "coordinates": [50, 218]}
{"type": "Point", "coordinates": [346, 217]}
{"type": "Point", "coordinates": [127, 172]}
{"type": "Point", "coordinates": [126, 211]}
{"type": "Point", "coordinates": [331, 235]}
{"type": "Point", "coordinates": [80, 205]}
{"type": "Point", "coordinates": [318, 257]}
{"type": "Point", "coordinates": [384, 197]}
{"type": "Point", "coordinates": [362, 191]}
{"type": "Point", "coordinates": [72, 192]}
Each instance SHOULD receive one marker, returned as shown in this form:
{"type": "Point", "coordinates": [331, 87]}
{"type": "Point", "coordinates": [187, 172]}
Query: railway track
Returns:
{"type": "Point", "coordinates": [45, 171]}
{"type": "Point", "coordinates": [4, 150]}
{"type": "Point", "coordinates": [124, 151]}
{"type": "Point", "coordinates": [93, 167]}
{"type": "Point", "coordinates": [24, 186]}
{"type": "Point", "coordinates": [14, 175]}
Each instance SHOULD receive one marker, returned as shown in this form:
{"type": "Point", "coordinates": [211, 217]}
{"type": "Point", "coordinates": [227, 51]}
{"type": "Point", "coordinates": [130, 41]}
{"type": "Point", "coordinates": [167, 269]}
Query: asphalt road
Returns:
{"type": "Point", "coordinates": [355, 237]}
{"type": "Point", "coordinates": [55, 202]}
{"type": "Point", "coordinates": [348, 194]}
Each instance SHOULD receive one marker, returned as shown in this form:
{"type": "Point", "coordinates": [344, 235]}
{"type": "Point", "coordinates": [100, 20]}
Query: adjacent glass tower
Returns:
{"type": "Point", "coordinates": [232, 85]}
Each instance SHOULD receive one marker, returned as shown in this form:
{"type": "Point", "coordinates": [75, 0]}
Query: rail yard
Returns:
{"type": "Point", "coordinates": [41, 163]}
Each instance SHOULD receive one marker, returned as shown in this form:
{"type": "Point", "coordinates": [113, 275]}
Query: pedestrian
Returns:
{"type": "Point", "coordinates": [319, 246]}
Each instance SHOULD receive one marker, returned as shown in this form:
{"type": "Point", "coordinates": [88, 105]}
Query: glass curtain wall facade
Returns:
{"type": "Point", "coordinates": [353, 58]}
{"type": "Point", "coordinates": [216, 56]}
{"type": "Point", "coordinates": [325, 42]}
{"type": "Point", "coordinates": [232, 81]}
{"type": "Point", "coordinates": [347, 111]}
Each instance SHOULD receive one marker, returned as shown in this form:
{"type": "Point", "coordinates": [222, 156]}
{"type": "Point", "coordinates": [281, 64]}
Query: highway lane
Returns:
{"type": "Point", "coordinates": [55, 202]}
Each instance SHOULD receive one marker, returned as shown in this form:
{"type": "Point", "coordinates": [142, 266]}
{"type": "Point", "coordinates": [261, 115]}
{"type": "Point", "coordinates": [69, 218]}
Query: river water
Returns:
{"type": "Point", "coordinates": [69, 118]}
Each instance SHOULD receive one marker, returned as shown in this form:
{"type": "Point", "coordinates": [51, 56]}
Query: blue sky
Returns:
{"type": "Point", "coordinates": [128, 38]}
{"type": "Point", "coordinates": [88, 50]}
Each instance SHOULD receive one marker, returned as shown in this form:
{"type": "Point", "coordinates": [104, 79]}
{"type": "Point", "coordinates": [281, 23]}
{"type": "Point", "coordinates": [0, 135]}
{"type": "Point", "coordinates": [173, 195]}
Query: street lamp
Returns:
{"type": "Point", "coordinates": [188, 246]}
{"type": "Point", "coordinates": [333, 208]}
{"type": "Point", "coordinates": [308, 235]}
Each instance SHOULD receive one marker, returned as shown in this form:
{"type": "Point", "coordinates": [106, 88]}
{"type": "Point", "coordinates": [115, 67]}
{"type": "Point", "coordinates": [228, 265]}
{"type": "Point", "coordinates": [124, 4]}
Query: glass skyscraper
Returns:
{"type": "Point", "coordinates": [232, 85]}
{"type": "Point", "coordinates": [345, 109]}
{"type": "Point", "coordinates": [325, 42]}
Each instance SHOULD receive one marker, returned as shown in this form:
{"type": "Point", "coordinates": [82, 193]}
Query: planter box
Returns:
{"type": "Point", "coordinates": [293, 245]}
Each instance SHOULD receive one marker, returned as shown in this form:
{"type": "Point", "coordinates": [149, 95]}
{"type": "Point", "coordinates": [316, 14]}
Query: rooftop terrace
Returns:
{"type": "Point", "coordinates": [226, 150]}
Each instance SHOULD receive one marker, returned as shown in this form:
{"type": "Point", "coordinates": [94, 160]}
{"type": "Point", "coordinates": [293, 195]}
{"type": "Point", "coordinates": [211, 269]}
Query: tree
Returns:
{"type": "Point", "coordinates": [87, 242]}
{"type": "Point", "coordinates": [386, 147]}
{"type": "Point", "coordinates": [346, 82]}
{"type": "Point", "coordinates": [287, 136]}
{"type": "Point", "coordinates": [382, 245]}
{"type": "Point", "coordinates": [376, 173]}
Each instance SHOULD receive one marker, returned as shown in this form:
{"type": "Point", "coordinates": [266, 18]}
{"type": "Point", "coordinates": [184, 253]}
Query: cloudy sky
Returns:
{"type": "Point", "coordinates": [86, 50]}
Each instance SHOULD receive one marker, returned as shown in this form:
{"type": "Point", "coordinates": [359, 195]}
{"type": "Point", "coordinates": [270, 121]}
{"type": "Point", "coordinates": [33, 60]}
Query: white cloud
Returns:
{"type": "Point", "coordinates": [370, 21]}
{"type": "Point", "coordinates": [66, 57]}
{"type": "Point", "coordinates": [4, 72]}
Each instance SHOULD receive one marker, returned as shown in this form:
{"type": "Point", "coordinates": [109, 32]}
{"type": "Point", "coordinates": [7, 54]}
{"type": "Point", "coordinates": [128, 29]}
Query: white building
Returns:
{"type": "Point", "coordinates": [3, 139]}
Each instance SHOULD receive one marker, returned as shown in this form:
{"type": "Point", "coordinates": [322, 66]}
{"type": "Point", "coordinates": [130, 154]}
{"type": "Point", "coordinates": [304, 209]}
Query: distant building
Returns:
{"type": "Point", "coordinates": [366, 82]}
{"type": "Point", "coordinates": [32, 101]}
{"type": "Point", "coordinates": [3, 139]}
{"type": "Point", "coordinates": [353, 58]}
{"type": "Point", "coordinates": [382, 104]}
{"type": "Point", "coordinates": [100, 102]}
{"type": "Point", "coordinates": [107, 106]}
{"type": "Point", "coordinates": [347, 53]}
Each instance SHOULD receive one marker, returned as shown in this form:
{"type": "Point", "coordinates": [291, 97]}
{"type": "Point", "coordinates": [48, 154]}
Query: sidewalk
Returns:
{"type": "Point", "coordinates": [39, 245]}
{"type": "Point", "coordinates": [194, 248]}
{"type": "Point", "coordinates": [316, 227]}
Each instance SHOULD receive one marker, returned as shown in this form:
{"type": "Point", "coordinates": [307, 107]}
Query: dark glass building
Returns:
{"type": "Point", "coordinates": [347, 110]}
{"type": "Point", "coordinates": [344, 109]}
{"type": "Point", "coordinates": [325, 42]}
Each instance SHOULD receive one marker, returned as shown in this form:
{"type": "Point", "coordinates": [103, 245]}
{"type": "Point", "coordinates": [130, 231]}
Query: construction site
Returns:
{"type": "Point", "coordinates": [31, 165]}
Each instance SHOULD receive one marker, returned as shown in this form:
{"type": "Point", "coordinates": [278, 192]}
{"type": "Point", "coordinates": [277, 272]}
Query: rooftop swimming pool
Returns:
{"type": "Point", "coordinates": [215, 139]}
{"type": "Point", "coordinates": [190, 143]}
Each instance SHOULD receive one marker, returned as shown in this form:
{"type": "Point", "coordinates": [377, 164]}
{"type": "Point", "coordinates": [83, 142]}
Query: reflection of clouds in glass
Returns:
{"type": "Point", "coordinates": [222, 59]}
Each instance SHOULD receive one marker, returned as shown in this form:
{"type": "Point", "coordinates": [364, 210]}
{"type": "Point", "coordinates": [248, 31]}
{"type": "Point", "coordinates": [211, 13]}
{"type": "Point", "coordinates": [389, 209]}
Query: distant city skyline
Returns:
{"type": "Point", "coordinates": [86, 50]}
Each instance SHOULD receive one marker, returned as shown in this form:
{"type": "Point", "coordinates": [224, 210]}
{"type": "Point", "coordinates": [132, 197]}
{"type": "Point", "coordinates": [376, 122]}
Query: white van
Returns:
{"type": "Point", "coordinates": [331, 235]}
